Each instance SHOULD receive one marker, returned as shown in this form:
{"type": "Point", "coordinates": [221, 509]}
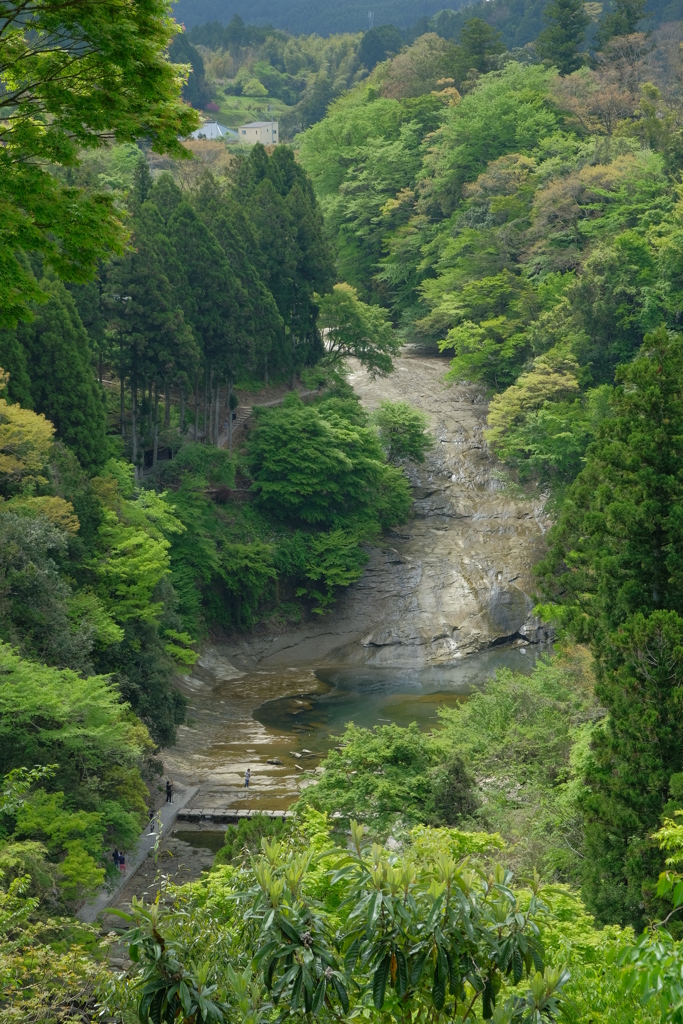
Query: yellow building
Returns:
{"type": "Point", "coordinates": [265, 132]}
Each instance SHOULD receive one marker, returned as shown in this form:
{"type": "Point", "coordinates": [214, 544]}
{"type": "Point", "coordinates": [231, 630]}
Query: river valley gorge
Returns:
{"type": "Point", "coordinates": [444, 600]}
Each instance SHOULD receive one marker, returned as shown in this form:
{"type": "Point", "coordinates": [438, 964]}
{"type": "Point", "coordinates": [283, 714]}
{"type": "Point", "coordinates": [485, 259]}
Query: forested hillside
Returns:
{"type": "Point", "coordinates": [513, 209]}
{"type": "Point", "coordinates": [304, 16]}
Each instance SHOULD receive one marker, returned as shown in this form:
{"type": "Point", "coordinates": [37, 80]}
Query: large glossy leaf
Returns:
{"type": "Point", "coordinates": [379, 982]}
{"type": "Point", "coordinates": [439, 992]}
{"type": "Point", "coordinates": [401, 973]}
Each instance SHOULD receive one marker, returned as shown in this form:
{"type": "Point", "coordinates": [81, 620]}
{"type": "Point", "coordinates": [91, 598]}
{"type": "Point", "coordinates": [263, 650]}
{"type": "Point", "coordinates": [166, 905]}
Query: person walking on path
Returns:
{"type": "Point", "coordinates": [115, 857]}
{"type": "Point", "coordinates": [122, 863]}
{"type": "Point", "coordinates": [152, 822]}
{"type": "Point", "coordinates": [169, 791]}
{"type": "Point", "coordinates": [247, 778]}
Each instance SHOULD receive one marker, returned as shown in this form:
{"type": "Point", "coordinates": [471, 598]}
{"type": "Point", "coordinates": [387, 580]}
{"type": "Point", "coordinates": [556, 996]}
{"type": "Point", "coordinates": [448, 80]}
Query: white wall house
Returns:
{"type": "Point", "coordinates": [265, 132]}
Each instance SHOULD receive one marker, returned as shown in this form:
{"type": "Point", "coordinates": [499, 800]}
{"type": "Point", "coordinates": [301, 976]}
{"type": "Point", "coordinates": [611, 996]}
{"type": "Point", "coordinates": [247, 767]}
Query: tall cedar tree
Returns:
{"type": "Point", "coordinates": [616, 558]}
{"type": "Point", "coordinates": [63, 386]}
{"type": "Point", "coordinates": [621, 21]}
{"type": "Point", "coordinates": [156, 342]}
{"type": "Point", "coordinates": [634, 775]}
{"type": "Point", "coordinates": [564, 34]}
{"type": "Point", "coordinates": [196, 90]}
{"type": "Point", "coordinates": [259, 324]}
{"type": "Point", "coordinates": [211, 295]}
{"type": "Point", "coordinates": [295, 261]}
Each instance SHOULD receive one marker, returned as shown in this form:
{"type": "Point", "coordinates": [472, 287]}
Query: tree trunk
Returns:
{"type": "Point", "coordinates": [156, 426]}
{"type": "Point", "coordinates": [167, 405]}
{"type": "Point", "coordinates": [206, 404]}
{"type": "Point", "coordinates": [150, 418]}
{"type": "Point", "coordinates": [217, 426]}
{"type": "Point", "coordinates": [134, 419]}
{"type": "Point", "coordinates": [100, 369]}
{"type": "Point", "coordinates": [182, 410]}
{"type": "Point", "coordinates": [230, 414]}
{"type": "Point", "coordinates": [266, 373]}
{"type": "Point", "coordinates": [123, 397]}
{"type": "Point", "coordinates": [196, 408]}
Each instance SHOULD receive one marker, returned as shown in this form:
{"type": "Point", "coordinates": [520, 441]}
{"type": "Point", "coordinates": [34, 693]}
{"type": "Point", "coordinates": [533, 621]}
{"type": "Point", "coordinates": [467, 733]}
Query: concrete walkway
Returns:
{"type": "Point", "coordinates": [167, 816]}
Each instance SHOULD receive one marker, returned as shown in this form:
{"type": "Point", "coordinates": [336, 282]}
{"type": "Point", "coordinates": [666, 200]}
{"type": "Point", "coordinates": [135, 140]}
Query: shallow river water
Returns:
{"type": "Point", "coordinates": [293, 716]}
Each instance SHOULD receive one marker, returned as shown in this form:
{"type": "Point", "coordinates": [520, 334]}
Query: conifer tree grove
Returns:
{"type": "Point", "coordinates": [564, 34]}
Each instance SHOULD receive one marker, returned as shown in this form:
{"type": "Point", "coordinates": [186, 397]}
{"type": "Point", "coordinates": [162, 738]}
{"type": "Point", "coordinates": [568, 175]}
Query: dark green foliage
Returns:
{"type": "Point", "coordinates": [196, 90]}
{"type": "Point", "coordinates": [614, 567]}
{"type": "Point", "coordinates": [320, 16]}
{"type": "Point", "coordinates": [564, 35]}
{"type": "Point", "coordinates": [455, 798]}
{"type": "Point", "coordinates": [13, 360]}
{"type": "Point", "coordinates": [378, 44]}
{"type": "Point", "coordinates": [145, 674]}
{"type": "Point", "coordinates": [243, 841]}
{"type": "Point", "coordinates": [622, 19]}
{"type": "Point", "coordinates": [295, 261]}
{"type": "Point", "coordinates": [478, 42]}
{"type": "Point", "coordinates": [63, 386]}
{"type": "Point", "coordinates": [34, 596]}
{"type": "Point", "coordinates": [636, 758]}
{"type": "Point", "coordinates": [70, 482]}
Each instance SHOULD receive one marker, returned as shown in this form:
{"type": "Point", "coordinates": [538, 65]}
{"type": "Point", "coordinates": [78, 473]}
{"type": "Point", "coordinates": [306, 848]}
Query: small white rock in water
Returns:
{"type": "Point", "coordinates": [273, 760]}
{"type": "Point", "coordinates": [304, 749]}
{"type": "Point", "coordinates": [294, 753]}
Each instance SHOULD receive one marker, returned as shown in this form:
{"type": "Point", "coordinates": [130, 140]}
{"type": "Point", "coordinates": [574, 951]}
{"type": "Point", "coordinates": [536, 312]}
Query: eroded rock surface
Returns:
{"type": "Point", "coordinates": [453, 580]}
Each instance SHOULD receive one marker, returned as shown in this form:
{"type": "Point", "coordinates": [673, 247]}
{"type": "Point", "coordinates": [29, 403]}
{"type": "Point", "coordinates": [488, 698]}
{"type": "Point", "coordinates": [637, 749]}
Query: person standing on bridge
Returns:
{"type": "Point", "coordinates": [247, 778]}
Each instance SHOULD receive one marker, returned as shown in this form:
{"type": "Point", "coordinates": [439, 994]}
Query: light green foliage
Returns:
{"type": "Point", "coordinates": [553, 376]}
{"type": "Point", "coordinates": [131, 566]}
{"type": "Point", "coordinates": [72, 76]}
{"type": "Point", "coordinates": [392, 777]}
{"type": "Point", "coordinates": [355, 329]}
{"type": "Point", "coordinates": [315, 467]}
{"type": "Point", "coordinates": [367, 950]}
{"type": "Point", "coordinates": [359, 158]}
{"type": "Point", "coordinates": [94, 794]}
{"type": "Point", "coordinates": [524, 739]}
{"type": "Point", "coordinates": [25, 445]}
{"type": "Point", "coordinates": [402, 431]}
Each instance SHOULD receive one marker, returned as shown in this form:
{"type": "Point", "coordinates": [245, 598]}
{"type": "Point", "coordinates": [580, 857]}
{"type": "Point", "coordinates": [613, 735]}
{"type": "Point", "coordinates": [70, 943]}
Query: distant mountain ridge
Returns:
{"type": "Point", "coordinates": [308, 16]}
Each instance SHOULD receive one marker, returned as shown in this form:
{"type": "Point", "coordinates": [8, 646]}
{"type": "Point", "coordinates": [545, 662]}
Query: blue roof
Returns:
{"type": "Point", "coordinates": [214, 130]}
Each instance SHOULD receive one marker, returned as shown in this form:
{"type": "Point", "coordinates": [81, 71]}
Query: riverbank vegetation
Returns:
{"type": "Point", "coordinates": [518, 211]}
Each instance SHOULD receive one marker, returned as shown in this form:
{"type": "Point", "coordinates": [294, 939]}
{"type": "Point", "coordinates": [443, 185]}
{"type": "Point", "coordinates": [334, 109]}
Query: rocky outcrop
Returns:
{"type": "Point", "coordinates": [457, 577]}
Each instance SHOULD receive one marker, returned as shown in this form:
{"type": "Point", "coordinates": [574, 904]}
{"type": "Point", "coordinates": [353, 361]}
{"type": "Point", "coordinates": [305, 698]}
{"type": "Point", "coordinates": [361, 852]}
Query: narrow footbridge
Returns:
{"type": "Point", "coordinates": [228, 816]}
